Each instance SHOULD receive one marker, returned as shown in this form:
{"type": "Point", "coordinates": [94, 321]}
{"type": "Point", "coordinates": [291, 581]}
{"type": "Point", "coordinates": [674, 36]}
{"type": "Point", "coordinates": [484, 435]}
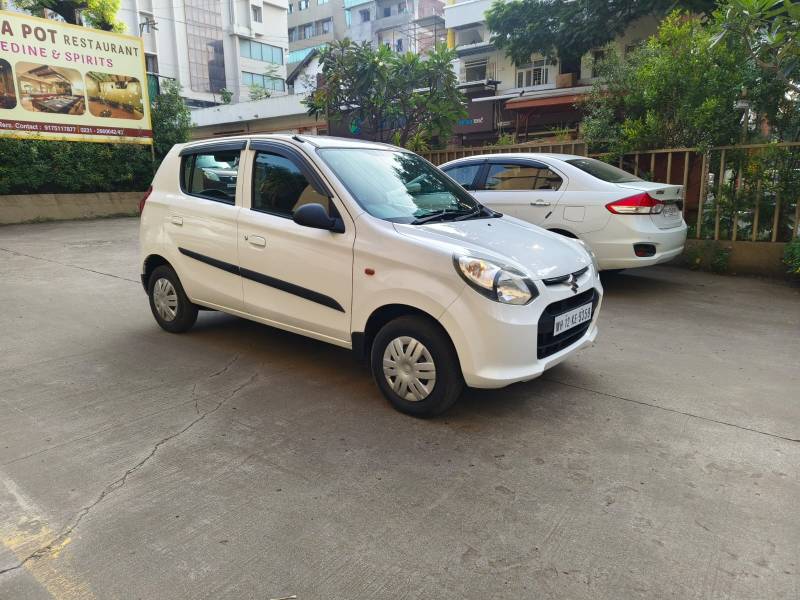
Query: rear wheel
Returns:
{"type": "Point", "coordinates": [416, 367]}
{"type": "Point", "coordinates": [172, 309]}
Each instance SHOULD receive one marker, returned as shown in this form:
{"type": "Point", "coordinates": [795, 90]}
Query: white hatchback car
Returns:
{"type": "Point", "coordinates": [368, 247]}
{"type": "Point", "coordinates": [627, 221]}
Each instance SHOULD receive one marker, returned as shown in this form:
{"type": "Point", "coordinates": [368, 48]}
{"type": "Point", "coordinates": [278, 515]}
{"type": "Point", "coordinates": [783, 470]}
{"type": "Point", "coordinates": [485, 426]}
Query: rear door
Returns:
{"type": "Point", "coordinates": [202, 223]}
{"type": "Point", "coordinates": [294, 276]}
{"type": "Point", "coordinates": [525, 189]}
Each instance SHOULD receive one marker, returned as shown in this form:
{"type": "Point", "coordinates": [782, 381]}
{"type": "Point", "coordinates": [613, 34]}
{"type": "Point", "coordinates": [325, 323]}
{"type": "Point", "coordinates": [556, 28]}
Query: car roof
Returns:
{"type": "Point", "coordinates": [319, 141]}
{"type": "Point", "coordinates": [517, 156]}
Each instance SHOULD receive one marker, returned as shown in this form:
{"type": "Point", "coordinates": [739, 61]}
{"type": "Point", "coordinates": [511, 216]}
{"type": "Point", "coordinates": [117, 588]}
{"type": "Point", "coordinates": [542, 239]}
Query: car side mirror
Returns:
{"type": "Point", "coordinates": [315, 215]}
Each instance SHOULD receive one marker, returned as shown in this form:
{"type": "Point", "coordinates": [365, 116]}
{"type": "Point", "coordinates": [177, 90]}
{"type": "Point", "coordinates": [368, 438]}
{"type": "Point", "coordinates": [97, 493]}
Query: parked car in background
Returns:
{"type": "Point", "coordinates": [368, 247]}
{"type": "Point", "coordinates": [627, 221]}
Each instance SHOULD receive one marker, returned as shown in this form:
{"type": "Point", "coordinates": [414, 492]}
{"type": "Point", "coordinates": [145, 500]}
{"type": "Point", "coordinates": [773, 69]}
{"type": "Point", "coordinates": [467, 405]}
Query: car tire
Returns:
{"type": "Point", "coordinates": [172, 309]}
{"type": "Point", "coordinates": [405, 353]}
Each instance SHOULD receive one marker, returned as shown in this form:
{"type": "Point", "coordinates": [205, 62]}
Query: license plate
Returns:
{"type": "Point", "coordinates": [671, 211]}
{"type": "Point", "coordinates": [572, 318]}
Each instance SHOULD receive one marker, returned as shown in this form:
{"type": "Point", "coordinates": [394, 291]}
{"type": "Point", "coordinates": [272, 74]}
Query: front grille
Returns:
{"type": "Point", "coordinates": [565, 278]}
{"type": "Point", "coordinates": [547, 343]}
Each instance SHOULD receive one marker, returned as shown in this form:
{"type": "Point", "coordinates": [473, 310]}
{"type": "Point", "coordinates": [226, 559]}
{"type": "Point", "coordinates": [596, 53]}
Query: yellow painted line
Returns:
{"type": "Point", "coordinates": [23, 532]}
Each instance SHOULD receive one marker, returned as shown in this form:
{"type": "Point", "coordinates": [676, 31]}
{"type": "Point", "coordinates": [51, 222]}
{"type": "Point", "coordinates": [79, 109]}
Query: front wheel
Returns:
{"type": "Point", "coordinates": [416, 367]}
{"type": "Point", "coordinates": [171, 308]}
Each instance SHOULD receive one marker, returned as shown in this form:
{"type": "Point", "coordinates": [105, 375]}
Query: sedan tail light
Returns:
{"type": "Point", "coordinates": [640, 204]}
{"type": "Point", "coordinates": [144, 199]}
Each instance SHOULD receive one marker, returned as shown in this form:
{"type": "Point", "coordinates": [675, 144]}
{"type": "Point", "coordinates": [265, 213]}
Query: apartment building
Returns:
{"type": "Point", "coordinates": [312, 24]}
{"type": "Point", "coordinates": [208, 46]}
{"type": "Point", "coordinates": [531, 100]}
{"type": "Point", "coordinates": [402, 25]}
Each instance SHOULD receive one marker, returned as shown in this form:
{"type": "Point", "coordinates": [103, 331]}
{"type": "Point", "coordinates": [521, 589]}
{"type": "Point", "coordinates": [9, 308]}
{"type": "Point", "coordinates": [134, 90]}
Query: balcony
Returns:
{"type": "Point", "coordinates": [465, 13]}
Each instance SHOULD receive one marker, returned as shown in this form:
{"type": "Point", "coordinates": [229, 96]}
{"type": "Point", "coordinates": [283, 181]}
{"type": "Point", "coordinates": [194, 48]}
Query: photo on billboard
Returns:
{"type": "Point", "coordinates": [48, 89]}
{"type": "Point", "coordinates": [8, 95]}
{"type": "Point", "coordinates": [66, 82]}
{"type": "Point", "coordinates": [114, 96]}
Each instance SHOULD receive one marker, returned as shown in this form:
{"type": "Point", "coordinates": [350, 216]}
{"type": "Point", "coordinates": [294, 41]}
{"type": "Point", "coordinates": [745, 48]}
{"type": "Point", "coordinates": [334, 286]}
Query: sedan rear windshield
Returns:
{"type": "Point", "coordinates": [398, 186]}
{"type": "Point", "coordinates": [603, 171]}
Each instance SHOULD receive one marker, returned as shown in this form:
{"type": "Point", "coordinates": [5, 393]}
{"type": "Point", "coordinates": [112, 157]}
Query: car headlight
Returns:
{"type": "Point", "coordinates": [496, 282]}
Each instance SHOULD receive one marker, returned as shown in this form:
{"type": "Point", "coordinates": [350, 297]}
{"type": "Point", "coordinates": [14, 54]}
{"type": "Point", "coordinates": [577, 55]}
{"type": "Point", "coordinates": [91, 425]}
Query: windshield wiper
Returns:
{"type": "Point", "coordinates": [443, 214]}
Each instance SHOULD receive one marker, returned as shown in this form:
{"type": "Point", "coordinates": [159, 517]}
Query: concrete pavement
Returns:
{"type": "Point", "coordinates": [238, 461]}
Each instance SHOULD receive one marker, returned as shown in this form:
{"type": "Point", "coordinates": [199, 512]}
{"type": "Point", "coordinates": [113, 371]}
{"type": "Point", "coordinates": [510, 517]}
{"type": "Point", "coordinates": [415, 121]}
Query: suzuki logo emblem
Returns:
{"type": "Point", "coordinates": [572, 282]}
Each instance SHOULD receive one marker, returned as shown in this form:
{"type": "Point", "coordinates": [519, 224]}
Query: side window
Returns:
{"type": "Point", "coordinates": [505, 177]}
{"type": "Point", "coordinates": [464, 175]}
{"type": "Point", "coordinates": [280, 188]}
{"type": "Point", "coordinates": [211, 175]}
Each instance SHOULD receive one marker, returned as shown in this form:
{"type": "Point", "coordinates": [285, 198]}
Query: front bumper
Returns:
{"type": "Point", "coordinates": [613, 245]}
{"type": "Point", "coordinates": [497, 343]}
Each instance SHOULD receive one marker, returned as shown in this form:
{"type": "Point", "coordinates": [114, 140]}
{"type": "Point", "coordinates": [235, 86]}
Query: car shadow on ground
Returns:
{"type": "Point", "coordinates": [313, 359]}
{"type": "Point", "coordinates": [636, 282]}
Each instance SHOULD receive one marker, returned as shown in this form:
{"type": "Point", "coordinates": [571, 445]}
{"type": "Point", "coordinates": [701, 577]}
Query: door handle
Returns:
{"type": "Point", "coordinates": [176, 220]}
{"type": "Point", "coordinates": [256, 240]}
{"type": "Point", "coordinates": [540, 203]}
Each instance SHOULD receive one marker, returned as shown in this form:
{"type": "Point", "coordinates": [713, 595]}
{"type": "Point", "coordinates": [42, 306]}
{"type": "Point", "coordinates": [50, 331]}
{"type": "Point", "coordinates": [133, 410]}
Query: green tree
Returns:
{"type": "Point", "coordinates": [770, 30]}
{"type": "Point", "coordinates": [171, 118]}
{"type": "Point", "coordinates": [226, 95]}
{"type": "Point", "coordinates": [99, 14]}
{"type": "Point", "coordinates": [259, 92]}
{"type": "Point", "coordinates": [678, 90]}
{"type": "Point", "coordinates": [392, 96]}
{"type": "Point", "coordinates": [567, 29]}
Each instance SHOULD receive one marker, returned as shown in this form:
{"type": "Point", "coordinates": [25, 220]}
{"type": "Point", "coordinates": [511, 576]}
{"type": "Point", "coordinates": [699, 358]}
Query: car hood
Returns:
{"type": "Point", "coordinates": [540, 253]}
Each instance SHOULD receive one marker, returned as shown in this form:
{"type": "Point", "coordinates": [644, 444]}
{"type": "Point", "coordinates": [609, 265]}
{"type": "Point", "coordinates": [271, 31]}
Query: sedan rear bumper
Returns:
{"type": "Point", "coordinates": [613, 245]}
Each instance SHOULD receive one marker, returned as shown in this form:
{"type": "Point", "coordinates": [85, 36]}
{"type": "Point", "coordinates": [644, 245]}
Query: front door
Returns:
{"type": "Point", "coordinates": [524, 189]}
{"type": "Point", "coordinates": [292, 275]}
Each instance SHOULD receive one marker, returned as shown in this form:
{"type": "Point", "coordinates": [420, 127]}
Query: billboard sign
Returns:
{"type": "Point", "coordinates": [64, 82]}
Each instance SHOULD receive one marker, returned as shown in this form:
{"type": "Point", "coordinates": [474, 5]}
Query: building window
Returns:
{"type": "Point", "coordinates": [348, 17]}
{"type": "Point", "coordinates": [364, 15]}
{"type": "Point", "coordinates": [401, 8]}
{"type": "Point", "coordinates": [257, 14]}
{"type": "Point", "coordinates": [475, 70]}
{"type": "Point", "coordinates": [398, 45]}
{"type": "Point", "coordinates": [291, 8]}
{"type": "Point", "coordinates": [532, 74]}
{"type": "Point", "coordinates": [261, 52]}
{"type": "Point", "coordinates": [306, 31]}
{"type": "Point", "coordinates": [204, 40]}
{"type": "Point", "coordinates": [293, 34]}
{"type": "Point", "coordinates": [302, 5]}
{"type": "Point", "coordinates": [598, 56]}
{"type": "Point", "coordinates": [151, 63]}
{"type": "Point", "coordinates": [321, 2]}
{"type": "Point", "coordinates": [273, 84]}
{"type": "Point", "coordinates": [324, 27]}
{"type": "Point", "coordinates": [387, 11]}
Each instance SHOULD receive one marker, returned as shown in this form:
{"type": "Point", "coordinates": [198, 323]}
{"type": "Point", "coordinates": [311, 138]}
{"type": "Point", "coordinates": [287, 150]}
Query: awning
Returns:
{"type": "Point", "coordinates": [552, 101]}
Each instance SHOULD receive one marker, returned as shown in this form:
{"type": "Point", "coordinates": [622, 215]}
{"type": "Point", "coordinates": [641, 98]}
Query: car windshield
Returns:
{"type": "Point", "coordinates": [601, 170]}
{"type": "Point", "coordinates": [398, 186]}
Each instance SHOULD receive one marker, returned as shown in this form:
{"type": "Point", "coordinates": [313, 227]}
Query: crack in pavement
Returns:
{"type": "Point", "coordinates": [674, 410]}
{"type": "Point", "coordinates": [55, 262]}
{"type": "Point", "coordinates": [118, 483]}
